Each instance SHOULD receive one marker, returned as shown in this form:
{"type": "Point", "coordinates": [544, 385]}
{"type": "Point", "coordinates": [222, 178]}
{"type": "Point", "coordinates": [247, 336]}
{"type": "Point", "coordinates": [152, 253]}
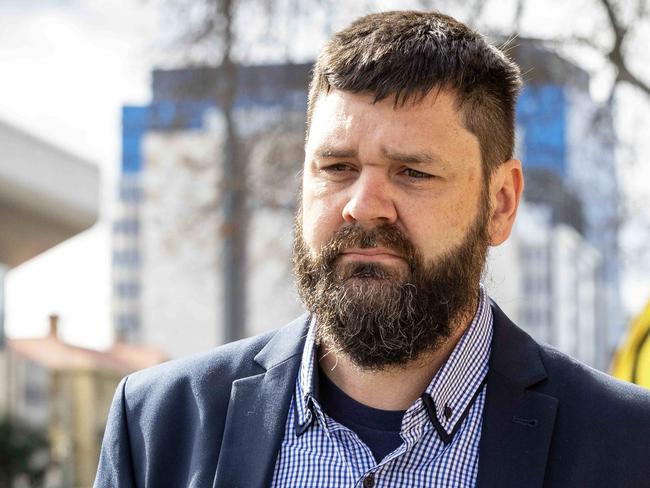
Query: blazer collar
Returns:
{"type": "Point", "coordinates": [515, 355]}
{"type": "Point", "coordinates": [285, 344]}
{"type": "Point", "coordinates": [257, 412]}
{"type": "Point", "coordinates": [517, 420]}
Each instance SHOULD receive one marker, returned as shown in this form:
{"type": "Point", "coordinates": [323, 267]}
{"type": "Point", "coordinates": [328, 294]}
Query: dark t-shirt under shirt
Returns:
{"type": "Point", "coordinates": [378, 429]}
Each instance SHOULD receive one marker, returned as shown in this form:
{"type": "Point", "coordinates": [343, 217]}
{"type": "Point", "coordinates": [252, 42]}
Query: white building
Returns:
{"type": "Point", "coordinates": [168, 286]}
{"type": "Point", "coordinates": [547, 278]}
{"type": "Point", "coordinates": [126, 259]}
{"type": "Point", "coordinates": [568, 242]}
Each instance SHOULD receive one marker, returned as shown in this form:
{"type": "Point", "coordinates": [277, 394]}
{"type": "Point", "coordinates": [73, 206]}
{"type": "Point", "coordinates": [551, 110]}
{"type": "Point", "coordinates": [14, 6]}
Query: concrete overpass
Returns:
{"type": "Point", "coordinates": [47, 195]}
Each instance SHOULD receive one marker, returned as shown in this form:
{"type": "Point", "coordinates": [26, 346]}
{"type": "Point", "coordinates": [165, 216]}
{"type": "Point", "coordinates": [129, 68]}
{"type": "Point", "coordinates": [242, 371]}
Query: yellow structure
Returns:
{"type": "Point", "coordinates": [67, 390]}
{"type": "Point", "coordinates": [632, 361]}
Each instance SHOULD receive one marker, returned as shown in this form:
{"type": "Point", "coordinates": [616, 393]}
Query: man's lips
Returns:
{"type": "Point", "coordinates": [370, 254]}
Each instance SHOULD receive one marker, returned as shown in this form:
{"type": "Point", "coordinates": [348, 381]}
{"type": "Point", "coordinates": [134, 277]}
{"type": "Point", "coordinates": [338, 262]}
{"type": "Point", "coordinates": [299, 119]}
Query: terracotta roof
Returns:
{"type": "Point", "coordinates": [52, 353]}
{"type": "Point", "coordinates": [136, 357]}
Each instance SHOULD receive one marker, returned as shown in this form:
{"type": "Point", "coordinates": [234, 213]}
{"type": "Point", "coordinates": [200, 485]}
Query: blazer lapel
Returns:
{"type": "Point", "coordinates": [517, 422]}
{"type": "Point", "coordinates": [257, 412]}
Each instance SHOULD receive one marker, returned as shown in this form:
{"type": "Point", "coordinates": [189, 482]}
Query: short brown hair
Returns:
{"type": "Point", "coordinates": [407, 54]}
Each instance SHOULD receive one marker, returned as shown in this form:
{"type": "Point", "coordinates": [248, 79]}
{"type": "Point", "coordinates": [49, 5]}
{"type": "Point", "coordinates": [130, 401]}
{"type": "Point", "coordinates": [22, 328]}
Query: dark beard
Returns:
{"type": "Point", "coordinates": [377, 318]}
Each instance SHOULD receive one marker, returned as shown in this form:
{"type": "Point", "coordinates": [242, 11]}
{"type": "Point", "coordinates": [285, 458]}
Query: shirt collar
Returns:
{"type": "Point", "coordinates": [307, 384]}
{"type": "Point", "coordinates": [458, 382]}
{"type": "Point", "coordinates": [448, 397]}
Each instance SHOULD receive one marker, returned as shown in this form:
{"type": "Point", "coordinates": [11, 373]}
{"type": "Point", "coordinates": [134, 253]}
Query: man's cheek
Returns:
{"type": "Point", "coordinates": [317, 232]}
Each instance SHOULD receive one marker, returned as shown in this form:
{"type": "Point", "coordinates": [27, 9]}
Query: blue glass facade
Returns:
{"type": "Point", "coordinates": [159, 116]}
{"type": "Point", "coordinates": [542, 114]}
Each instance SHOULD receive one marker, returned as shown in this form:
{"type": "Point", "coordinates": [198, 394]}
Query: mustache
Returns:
{"type": "Point", "coordinates": [355, 236]}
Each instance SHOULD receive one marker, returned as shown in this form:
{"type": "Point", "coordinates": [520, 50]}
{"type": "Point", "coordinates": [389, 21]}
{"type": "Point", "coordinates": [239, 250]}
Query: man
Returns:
{"type": "Point", "coordinates": [403, 373]}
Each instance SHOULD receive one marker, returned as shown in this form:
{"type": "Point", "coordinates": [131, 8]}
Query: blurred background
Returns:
{"type": "Point", "coordinates": [149, 153]}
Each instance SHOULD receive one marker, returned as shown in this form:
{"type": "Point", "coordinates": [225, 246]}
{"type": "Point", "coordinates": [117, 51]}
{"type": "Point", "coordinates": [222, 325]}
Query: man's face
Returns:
{"type": "Point", "coordinates": [393, 224]}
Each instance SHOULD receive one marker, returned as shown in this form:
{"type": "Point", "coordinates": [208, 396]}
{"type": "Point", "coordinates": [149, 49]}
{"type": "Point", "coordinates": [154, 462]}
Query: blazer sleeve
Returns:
{"type": "Point", "coordinates": [115, 461]}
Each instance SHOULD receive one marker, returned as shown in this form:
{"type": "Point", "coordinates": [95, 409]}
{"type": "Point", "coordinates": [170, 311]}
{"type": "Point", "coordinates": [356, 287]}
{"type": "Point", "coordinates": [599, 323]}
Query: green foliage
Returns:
{"type": "Point", "coordinates": [23, 453]}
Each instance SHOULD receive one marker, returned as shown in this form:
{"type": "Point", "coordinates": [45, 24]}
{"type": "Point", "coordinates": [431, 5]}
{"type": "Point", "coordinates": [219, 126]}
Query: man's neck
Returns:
{"type": "Point", "coordinates": [392, 388]}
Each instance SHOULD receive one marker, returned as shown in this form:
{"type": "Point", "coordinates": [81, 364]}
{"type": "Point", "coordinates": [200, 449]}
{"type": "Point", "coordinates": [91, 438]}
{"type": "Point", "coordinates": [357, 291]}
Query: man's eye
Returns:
{"type": "Point", "coordinates": [337, 168]}
{"type": "Point", "coordinates": [413, 173]}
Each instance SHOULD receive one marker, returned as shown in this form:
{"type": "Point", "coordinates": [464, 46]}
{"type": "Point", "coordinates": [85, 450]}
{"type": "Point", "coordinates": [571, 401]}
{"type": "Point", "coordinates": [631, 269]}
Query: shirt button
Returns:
{"type": "Point", "coordinates": [447, 411]}
{"type": "Point", "coordinates": [369, 481]}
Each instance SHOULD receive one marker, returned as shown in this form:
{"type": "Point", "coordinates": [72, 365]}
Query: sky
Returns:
{"type": "Point", "coordinates": [67, 68]}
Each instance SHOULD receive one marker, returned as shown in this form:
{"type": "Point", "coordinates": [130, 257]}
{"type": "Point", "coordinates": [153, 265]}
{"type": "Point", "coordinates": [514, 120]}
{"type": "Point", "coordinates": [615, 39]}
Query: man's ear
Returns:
{"type": "Point", "coordinates": [506, 187]}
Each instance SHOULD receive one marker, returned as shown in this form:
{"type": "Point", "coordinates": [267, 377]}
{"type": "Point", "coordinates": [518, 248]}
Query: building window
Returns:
{"type": "Point", "coordinates": [128, 322]}
{"type": "Point", "coordinates": [127, 289]}
{"type": "Point", "coordinates": [130, 227]}
{"type": "Point", "coordinates": [35, 390]}
{"type": "Point", "coordinates": [127, 258]}
{"type": "Point", "coordinates": [131, 194]}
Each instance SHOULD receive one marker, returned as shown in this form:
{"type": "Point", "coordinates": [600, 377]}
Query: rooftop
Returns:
{"type": "Point", "coordinates": [52, 353]}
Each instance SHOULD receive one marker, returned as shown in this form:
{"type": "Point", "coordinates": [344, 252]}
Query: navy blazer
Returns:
{"type": "Point", "coordinates": [217, 419]}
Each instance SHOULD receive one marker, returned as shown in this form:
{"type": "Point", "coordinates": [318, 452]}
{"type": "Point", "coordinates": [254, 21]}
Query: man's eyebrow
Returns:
{"type": "Point", "coordinates": [412, 158]}
{"type": "Point", "coordinates": [330, 152]}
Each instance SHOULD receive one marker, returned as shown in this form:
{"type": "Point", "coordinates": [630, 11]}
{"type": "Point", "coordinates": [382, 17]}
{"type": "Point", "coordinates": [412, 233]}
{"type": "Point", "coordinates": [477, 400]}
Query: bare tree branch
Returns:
{"type": "Point", "coordinates": [617, 53]}
{"type": "Point", "coordinates": [625, 75]}
{"type": "Point", "coordinates": [619, 30]}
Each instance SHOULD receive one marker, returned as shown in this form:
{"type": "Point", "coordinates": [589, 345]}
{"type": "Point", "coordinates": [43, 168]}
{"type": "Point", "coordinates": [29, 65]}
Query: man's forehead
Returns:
{"type": "Point", "coordinates": [337, 109]}
{"type": "Point", "coordinates": [418, 131]}
{"type": "Point", "coordinates": [397, 101]}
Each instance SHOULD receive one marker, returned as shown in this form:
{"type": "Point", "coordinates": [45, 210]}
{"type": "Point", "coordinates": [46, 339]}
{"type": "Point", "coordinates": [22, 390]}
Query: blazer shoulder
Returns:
{"type": "Point", "coordinates": [214, 370]}
{"type": "Point", "coordinates": [572, 380]}
{"type": "Point", "coordinates": [578, 387]}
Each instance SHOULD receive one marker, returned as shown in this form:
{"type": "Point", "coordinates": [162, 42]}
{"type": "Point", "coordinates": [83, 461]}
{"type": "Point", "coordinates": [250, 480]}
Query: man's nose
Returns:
{"type": "Point", "coordinates": [371, 201]}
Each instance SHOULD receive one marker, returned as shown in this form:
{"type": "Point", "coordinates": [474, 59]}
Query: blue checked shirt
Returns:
{"type": "Point", "coordinates": [440, 431]}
